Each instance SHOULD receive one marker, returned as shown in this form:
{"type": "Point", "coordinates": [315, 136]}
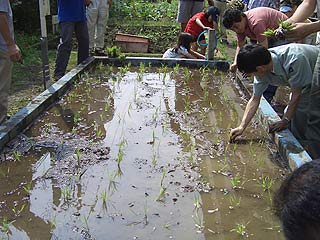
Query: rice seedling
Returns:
{"type": "Point", "coordinates": [163, 189]}
{"type": "Point", "coordinates": [120, 153]}
{"type": "Point", "coordinates": [28, 187]}
{"type": "Point", "coordinates": [53, 224]}
{"type": "Point", "coordinates": [129, 109]}
{"type": "Point", "coordinates": [176, 69]}
{"type": "Point", "coordinates": [74, 130]}
{"type": "Point", "coordinates": [146, 210]}
{"type": "Point", "coordinates": [16, 211]}
{"type": "Point", "coordinates": [198, 221]}
{"type": "Point", "coordinates": [154, 159]}
{"type": "Point", "coordinates": [104, 196]}
{"type": "Point", "coordinates": [279, 33]}
{"type": "Point", "coordinates": [240, 229]}
{"type": "Point", "coordinates": [141, 71]}
{"type": "Point", "coordinates": [76, 118]}
{"type": "Point", "coordinates": [236, 181]}
{"type": "Point", "coordinates": [161, 194]}
{"type": "Point", "coordinates": [66, 193]}
{"type": "Point", "coordinates": [77, 152]}
{"type": "Point", "coordinates": [186, 74]}
{"type": "Point", "coordinates": [234, 201]}
{"type": "Point", "coordinates": [197, 202]}
{"type": "Point", "coordinates": [266, 183]}
{"type": "Point", "coordinates": [85, 221]}
{"type": "Point", "coordinates": [108, 69]}
{"type": "Point", "coordinates": [16, 155]}
{"type": "Point", "coordinates": [187, 104]}
{"type": "Point", "coordinates": [113, 184]}
{"type": "Point", "coordinates": [5, 226]}
{"type": "Point", "coordinates": [155, 115]}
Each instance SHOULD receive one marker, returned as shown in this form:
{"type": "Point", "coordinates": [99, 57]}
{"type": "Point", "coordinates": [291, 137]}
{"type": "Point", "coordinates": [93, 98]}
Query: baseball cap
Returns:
{"type": "Point", "coordinates": [285, 8]}
{"type": "Point", "coordinates": [214, 13]}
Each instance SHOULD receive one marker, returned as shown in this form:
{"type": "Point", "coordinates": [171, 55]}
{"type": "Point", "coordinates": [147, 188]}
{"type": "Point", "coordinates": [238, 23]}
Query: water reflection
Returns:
{"type": "Point", "coordinates": [99, 155]}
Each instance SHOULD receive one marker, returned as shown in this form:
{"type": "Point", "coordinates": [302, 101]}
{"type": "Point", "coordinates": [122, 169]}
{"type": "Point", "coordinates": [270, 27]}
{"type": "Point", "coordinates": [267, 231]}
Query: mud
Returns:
{"type": "Point", "coordinates": [141, 153]}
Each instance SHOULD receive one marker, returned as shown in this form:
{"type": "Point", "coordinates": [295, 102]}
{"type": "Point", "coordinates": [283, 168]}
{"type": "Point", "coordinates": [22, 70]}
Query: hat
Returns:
{"type": "Point", "coordinates": [285, 8]}
{"type": "Point", "coordinates": [214, 13]}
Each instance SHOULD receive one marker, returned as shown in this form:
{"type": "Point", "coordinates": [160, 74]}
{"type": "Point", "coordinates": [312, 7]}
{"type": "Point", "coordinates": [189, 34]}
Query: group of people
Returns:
{"type": "Point", "coordinates": [283, 59]}
{"type": "Point", "coordinates": [288, 58]}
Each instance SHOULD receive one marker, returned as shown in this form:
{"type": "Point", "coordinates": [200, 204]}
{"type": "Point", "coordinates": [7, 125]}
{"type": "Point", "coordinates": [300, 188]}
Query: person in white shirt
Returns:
{"type": "Point", "coordinates": [183, 48]}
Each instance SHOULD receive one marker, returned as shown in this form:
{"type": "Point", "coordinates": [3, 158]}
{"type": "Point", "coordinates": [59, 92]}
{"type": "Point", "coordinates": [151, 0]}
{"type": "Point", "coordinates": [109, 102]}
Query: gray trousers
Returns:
{"type": "Point", "coordinates": [222, 6]}
{"type": "Point", "coordinates": [65, 46]}
{"type": "Point", "coordinates": [97, 17]}
{"type": "Point", "coordinates": [5, 83]}
{"type": "Point", "coordinates": [312, 135]}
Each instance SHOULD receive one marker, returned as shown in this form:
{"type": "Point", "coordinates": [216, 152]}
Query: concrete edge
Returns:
{"type": "Point", "coordinates": [289, 147]}
{"type": "Point", "coordinates": [25, 116]}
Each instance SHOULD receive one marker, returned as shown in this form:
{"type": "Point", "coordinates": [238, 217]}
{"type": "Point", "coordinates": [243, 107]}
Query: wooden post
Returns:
{"type": "Point", "coordinates": [211, 44]}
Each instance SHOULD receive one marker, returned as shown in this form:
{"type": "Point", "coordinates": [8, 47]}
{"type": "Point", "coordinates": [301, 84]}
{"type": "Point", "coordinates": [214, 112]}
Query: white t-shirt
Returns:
{"type": "Point", "coordinates": [181, 53]}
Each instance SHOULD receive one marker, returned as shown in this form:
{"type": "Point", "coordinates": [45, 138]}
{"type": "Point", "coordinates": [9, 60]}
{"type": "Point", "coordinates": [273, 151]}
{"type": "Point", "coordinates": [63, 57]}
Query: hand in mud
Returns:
{"type": "Point", "coordinates": [234, 133]}
{"type": "Point", "coordinates": [233, 67]}
{"type": "Point", "coordinates": [278, 126]}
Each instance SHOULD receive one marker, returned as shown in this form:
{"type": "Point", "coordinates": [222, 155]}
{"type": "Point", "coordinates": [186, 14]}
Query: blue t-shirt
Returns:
{"type": "Point", "coordinates": [71, 11]}
{"type": "Point", "coordinates": [5, 8]}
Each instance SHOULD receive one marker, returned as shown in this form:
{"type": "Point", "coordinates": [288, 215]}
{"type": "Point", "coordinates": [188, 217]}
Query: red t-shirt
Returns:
{"type": "Point", "coordinates": [259, 20]}
{"type": "Point", "coordinates": [193, 28]}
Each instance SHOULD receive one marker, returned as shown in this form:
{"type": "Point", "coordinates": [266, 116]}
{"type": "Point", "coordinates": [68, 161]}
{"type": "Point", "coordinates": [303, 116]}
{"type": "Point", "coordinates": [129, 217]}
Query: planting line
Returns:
{"type": "Point", "coordinates": [220, 65]}
{"type": "Point", "coordinates": [289, 147]}
{"type": "Point", "coordinates": [25, 116]}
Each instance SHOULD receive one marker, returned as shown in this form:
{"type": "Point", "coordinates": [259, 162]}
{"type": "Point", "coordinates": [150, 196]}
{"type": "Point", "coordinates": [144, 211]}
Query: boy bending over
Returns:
{"type": "Point", "coordinates": [288, 65]}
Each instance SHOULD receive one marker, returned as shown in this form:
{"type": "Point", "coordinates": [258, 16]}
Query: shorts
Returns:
{"type": "Point", "coordinates": [186, 9]}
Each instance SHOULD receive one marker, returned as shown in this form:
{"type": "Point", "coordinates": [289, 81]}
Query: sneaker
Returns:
{"type": "Point", "coordinates": [99, 52]}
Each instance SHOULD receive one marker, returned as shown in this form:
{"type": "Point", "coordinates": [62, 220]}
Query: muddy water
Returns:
{"type": "Point", "coordinates": [141, 153]}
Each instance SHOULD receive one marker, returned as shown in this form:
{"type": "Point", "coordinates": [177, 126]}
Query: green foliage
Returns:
{"type": "Point", "coordinates": [144, 10]}
{"type": "Point", "coordinates": [114, 52]}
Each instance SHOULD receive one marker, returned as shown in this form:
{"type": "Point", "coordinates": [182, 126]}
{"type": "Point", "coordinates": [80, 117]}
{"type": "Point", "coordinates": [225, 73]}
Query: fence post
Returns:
{"type": "Point", "coordinates": [44, 8]}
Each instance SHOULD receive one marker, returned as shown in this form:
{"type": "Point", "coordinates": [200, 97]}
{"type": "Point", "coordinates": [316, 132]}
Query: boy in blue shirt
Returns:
{"type": "Point", "coordinates": [288, 65]}
{"type": "Point", "coordinates": [72, 18]}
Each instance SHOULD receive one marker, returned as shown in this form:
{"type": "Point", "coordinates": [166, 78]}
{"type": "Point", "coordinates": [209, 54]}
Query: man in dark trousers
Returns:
{"type": "Point", "coordinates": [72, 18]}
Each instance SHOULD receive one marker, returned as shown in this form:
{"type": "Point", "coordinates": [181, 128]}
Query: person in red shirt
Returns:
{"type": "Point", "coordinates": [198, 23]}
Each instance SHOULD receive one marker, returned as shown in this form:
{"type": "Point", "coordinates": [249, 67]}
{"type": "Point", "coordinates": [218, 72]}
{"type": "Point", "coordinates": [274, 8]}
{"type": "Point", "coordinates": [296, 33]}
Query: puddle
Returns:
{"type": "Point", "coordinates": [141, 153]}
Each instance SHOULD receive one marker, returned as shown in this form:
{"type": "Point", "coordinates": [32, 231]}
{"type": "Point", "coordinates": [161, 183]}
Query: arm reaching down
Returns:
{"type": "Point", "coordinates": [249, 113]}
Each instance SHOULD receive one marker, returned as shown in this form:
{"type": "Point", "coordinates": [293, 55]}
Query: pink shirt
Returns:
{"type": "Point", "coordinates": [259, 20]}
